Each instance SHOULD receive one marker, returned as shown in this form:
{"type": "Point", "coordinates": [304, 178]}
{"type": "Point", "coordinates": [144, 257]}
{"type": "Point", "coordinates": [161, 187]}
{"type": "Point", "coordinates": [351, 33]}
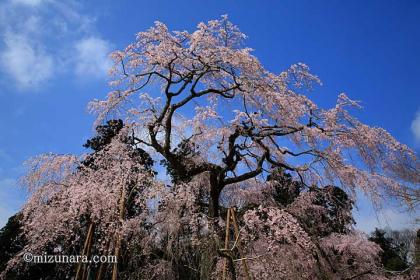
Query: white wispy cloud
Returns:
{"type": "Point", "coordinates": [43, 39]}
{"type": "Point", "coordinates": [29, 65]}
{"type": "Point", "coordinates": [415, 126]}
{"type": "Point", "coordinates": [92, 57]}
{"type": "Point", "coordinates": [32, 3]}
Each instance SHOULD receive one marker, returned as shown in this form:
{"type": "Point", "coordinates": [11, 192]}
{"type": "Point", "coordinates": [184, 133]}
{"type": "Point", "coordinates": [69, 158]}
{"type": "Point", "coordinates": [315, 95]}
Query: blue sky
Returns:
{"type": "Point", "coordinates": [53, 60]}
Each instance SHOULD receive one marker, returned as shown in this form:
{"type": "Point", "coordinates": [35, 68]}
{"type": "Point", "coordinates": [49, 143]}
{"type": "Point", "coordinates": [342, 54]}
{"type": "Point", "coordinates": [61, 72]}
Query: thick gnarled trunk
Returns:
{"type": "Point", "coordinates": [215, 190]}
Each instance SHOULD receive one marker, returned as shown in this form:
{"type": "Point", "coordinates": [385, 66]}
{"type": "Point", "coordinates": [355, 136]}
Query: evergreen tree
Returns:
{"type": "Point", "coordinates": [389, 255]}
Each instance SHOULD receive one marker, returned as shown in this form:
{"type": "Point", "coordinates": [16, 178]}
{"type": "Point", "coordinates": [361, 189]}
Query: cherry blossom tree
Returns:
{"type": "Point", "coordinates": [238, 141]}
{"type": "Point", "coordinates": [207, 89]}
{"type": "Point", "coordinates": [98, 200]}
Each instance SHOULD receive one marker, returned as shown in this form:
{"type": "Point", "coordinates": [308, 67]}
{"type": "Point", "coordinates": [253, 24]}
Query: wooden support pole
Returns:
{"type": "Point", "coordinates": [236, 230]}
{"type": "Point", "coordinates": [88, 242]}
{"type": "Point", "coordinates": [116, 253]}
{"type": "Point", "coordinates": [118, 235]}
{"type": "Point", "coordinates": [86, 267]}
{"type": "Point", "coordinates": [226, 242]}
{"type": "Point", "coordinates": [102, 266]}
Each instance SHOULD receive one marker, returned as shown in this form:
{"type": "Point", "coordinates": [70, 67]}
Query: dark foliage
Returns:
{"type": "Point", "coordinates": [104, 136]}
{"type": "Point", "coordinates": [390, 257]}
{"type": "Point", "coordinates": [337, 203]}
{"type": "Point", "coordinates": [184, 152]}
{"type": "Point", "coordinates": [11, 240]}
{"type": "Point", "coordinates": [286, 190]}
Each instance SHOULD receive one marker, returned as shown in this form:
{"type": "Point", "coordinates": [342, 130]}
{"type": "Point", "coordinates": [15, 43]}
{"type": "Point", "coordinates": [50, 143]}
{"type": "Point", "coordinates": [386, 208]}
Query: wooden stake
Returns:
{"type": "Point", "coordinates": [118, 237]}
{"type": "Point", "coordinates": [86, 267]}
{"type": "Point", "coordinates": [226, 242]}
{"type": "Point", "coordinates": [101, 267]}
{"type": "Point", "coordinates": [243, 261]}
{"type": "Point", "coordinates": [80, 265]}
{"type": "Point", "coordinates": [116, 253]}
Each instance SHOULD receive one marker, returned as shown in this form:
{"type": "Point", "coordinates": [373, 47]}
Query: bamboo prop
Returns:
{"type": "Point", "coordinates": [236, 229]}
{"type": "Point", "coordinates": [226, 242]}
{"type": "Point", "coordinates": [86, 247]}
{"type": "Point", "coordinates": [102, 266]}
{"type": "Point", "coordinates": [87, 267]}
{"type": "Point", "coordinates": [116, 253]}
{"type": "Point", "coordinates": [118, 237]}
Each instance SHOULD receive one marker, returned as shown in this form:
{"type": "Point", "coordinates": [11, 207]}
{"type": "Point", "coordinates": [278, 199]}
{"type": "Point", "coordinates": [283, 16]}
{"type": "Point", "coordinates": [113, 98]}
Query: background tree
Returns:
{"type": "Point", "coordinates": [398, 247]}
{"type": "Point", "coordinates": [72, 196]}
{"type": "Point", "coordinates": [404, 240]}
{"type": "Point", "coordinates": [11, 240]}
{"type": "Point", "coordinates": [417, 251]}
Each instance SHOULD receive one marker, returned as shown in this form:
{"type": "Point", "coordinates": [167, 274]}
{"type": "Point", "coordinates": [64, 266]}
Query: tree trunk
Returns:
{"type": "Point", "coordinates": [215, 190]}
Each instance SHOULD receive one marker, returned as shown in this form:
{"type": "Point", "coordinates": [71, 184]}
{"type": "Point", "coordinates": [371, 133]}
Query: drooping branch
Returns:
{"type": "Point", "coordinates": [263, 121]}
